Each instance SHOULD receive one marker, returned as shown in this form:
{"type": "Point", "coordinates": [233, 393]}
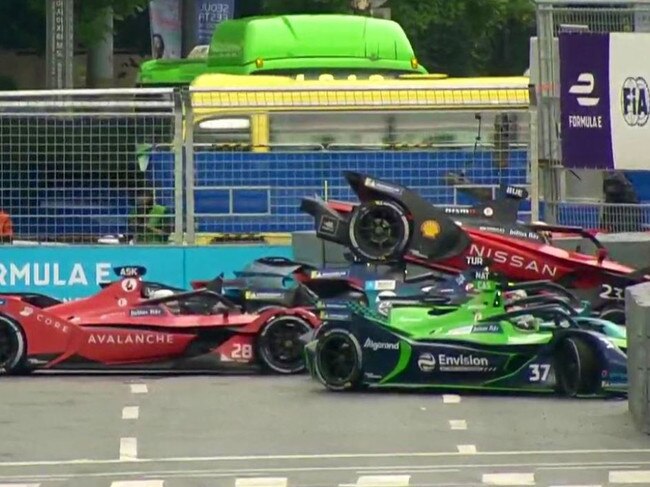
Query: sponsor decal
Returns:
{"type": "Point", "coordinates": [140, 312]}
{"type": "Point", "coordinates": [271, 295]}
{"type": "Point", "coordinates": [52, 323]}
{"type": "Point", "coordinates": [328, 274]}
{"type": "Point", "coordinates": [460, 211]}
{"type": "Point", "coordinates": [514, 191]}
{"type": "Point", "coordinates": [381, 285]}
{"type": "Point", "coordinates": [489, 212]}
{"type": "Point", "coordinates": [129, 285]}
{"type": "Point", "coordinates": [52, 274]}
{"type": "Point", "coordinates": [515, 261]}
{"type": "Point", "coordinates": [522, 234]}
{"type": "Point", "coordinates": [430, 229]}
{"type": "Point", "coordinates": [462, 363]}
{"type": "Point", "coordinates": [426, 362]}
{"type": "Point", "coordinates": [131, 339]}
{"type": "Point", "coordinates": [130, 271]}
{"type": "Point", "coordinates": [385, 187]}
{"type": "Point", "coordinates": [635, 101]}
{"type": "Point", "coordinates": [375, 346]}
{"type": "Point", "coordinates": [328, 225]}
{"type": "Point", "coordinates": [27, 311]}
{"type": "Point", "coordinates": [324, 315]}
{"type": "Point", "coordinates": [488, 328]}
{"type": "Point", "coordinates": [122, 302]}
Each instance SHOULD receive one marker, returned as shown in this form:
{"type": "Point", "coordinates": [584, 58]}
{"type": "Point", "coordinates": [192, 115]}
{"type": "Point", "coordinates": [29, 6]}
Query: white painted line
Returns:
{"type": "Point", "coordinates": [458, 424]}
{"type": "Point", "coordinates": [128, 449]}
{"type": "Point", "coordinates": [139, 388]}
{"type": "Point", "coordinates": [574, 485]}
{"type": "Point", "coordinates": [131, 412]}
{"type": "Point", "coordinates": [383, 480]}
{"type": "Point", "coordinates": [261, 482]}
{"type": "Point", "coordinates": [629, 477]}
{"type": "Point", "coordinates": [468, 449]}
{"type": "Point", "coordinates": [20, 485]}
{"type": "Point", "coordinates": [509, 478]}
{"type": "Point", "coordinates": [450, 398]}
{"type": "Point", "coordinates": [138, 483]}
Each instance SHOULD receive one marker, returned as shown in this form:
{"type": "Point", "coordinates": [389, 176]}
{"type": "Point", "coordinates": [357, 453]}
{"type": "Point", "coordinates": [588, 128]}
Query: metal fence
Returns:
{"type": "Point", "coordinates": [76, 166]}
{"type": "Point", "coordinates": [573, 197]}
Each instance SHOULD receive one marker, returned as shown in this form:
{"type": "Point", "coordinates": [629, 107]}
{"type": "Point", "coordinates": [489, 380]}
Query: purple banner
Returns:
{"type": "Point", "coordinates": [584, 101]}
{"type": "Point", "coordinates": [209, 13]}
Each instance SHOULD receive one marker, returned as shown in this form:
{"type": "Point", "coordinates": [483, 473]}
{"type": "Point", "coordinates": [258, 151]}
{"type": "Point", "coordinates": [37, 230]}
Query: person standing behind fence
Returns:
{"type": "Point", "coordinates": [6, 228]}
{"type": "Point", "coordinates": [149, 222]}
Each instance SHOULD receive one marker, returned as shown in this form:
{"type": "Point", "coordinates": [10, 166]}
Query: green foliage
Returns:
{"type": "Point", "coordinates": [276, 7]}
{"type": "Point", "coordinates": [89, 25]}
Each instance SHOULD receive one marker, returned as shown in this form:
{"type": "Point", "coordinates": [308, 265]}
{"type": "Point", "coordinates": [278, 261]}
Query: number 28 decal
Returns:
{"type": "Point", "coordinates": [611, 292]}
{"type": "Point", "coordinates": [539, 372]}
{"type": "Point", "coordinates": [242, 351]}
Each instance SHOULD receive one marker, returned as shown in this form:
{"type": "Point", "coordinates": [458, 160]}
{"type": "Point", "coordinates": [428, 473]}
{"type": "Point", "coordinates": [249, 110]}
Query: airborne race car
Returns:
{"type": "Point", "coordinates": [393, 223]}
{"type": "Point", "coordinates": [541, 345]}
{"type": "Point", "coordinates": [120, 328]}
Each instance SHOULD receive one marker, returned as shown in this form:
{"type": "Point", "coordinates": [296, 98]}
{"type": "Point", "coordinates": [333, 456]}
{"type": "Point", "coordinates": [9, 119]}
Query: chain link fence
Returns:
{"type": "Point", "coordinates": [83, 166]}
{"type": "Point", "coordinates": [254, 153]}
{"type": "Point", "coordinates": [575, 197]}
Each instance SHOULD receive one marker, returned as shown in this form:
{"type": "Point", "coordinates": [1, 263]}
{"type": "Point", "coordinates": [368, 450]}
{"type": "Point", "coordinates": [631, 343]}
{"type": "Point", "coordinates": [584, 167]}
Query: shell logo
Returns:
{"type": "Point", "coordinates": [430, 229]}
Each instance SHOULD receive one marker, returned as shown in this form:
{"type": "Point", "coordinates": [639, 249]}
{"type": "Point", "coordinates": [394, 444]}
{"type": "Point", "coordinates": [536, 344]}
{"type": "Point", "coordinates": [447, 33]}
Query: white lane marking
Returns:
{"type": "Point", "coordinates": [458, 424]}
{"type": "Point", "coordinates": [20, 485]}
{"type": "Point", "coordinates": [629, 477]}
{"type": "Point", "coordinates": [128, 449]}
{"type": "Point", "coordinates": [139, 388]}
{"type": "Point", "coordinates": [468, 449]}
{"type": "Point", "coordinates": [383, 481]}
{"type": "Point", "coordinates": [261, 482]}
{"type": "Point", "coordinates": [509, 478]}
{"type": "Point", "coordinates": [330, 456]}
{"type": "Point", "coordinates": [450, 398]}
{"type": "Point", "coordinates": [574, 485]}
{"type": "Point", "coordinates": [131, 412]}
{"type": "Point", "coordinates": [138, 483]}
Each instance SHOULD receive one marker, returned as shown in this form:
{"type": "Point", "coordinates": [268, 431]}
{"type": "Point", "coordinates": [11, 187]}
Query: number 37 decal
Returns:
{"type": "Point", "coordinates": [611, 292]}
{"type": "Point", "coordinates": [539, 372]}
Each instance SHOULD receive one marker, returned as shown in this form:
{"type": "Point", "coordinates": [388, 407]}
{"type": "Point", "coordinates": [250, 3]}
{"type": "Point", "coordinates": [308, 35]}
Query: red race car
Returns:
{"type": "Point", "coordinates": [393, 223]}
{"type": "Point", "coordinates": [119, 328]}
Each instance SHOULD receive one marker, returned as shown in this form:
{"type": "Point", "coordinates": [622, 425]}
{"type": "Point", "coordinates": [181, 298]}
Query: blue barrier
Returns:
{"type": "Point", "coordinates": [77, 271]}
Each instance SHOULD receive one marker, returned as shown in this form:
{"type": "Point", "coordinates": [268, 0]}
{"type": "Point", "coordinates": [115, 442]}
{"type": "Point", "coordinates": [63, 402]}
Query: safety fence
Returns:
{"type": "Point", "coordinates": [77, 166]}
{"type": "Point", "coordinates": [572, 195]}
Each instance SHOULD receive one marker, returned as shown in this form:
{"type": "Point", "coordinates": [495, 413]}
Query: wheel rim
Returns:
{"type": "Point", "coordinates": [283, 348]}
{"type": "Point", "coordinates": [380, 229]}
{"type": "Point", "coordinates": [337, 359]}
{"type": "Point", "coordinates": [9, 345]}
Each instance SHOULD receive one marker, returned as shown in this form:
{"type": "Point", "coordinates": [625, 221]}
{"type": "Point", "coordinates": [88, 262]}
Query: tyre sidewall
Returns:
{"type": "Point", "coordinates": [17, 362]}
{"type": "Point", "coordinates": [364, 210]}
{"type": "Point", "coordinates": [354, 379]}
{"type": "Point", "coordinates": [264, 355]}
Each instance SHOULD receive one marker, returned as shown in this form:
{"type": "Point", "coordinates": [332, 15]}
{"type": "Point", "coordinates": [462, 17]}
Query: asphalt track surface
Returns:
{"type": "Point", "coordinates": [248, 431]}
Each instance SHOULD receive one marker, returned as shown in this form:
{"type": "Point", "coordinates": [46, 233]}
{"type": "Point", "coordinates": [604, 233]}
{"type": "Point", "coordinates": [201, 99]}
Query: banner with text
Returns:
{"type": "Point", "coordinates": [210, 13]}
{"type": "Point", "coordinates": [604, 101]}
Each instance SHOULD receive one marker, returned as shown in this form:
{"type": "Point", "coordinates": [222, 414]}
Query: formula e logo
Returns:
{"type": "Point", "coordinates": [427, 362]}
{"type": "Point", "coordinates": [379, 345]}
{"type": "Point", "coordinates": [635, 101]}
{"type": "Point", "coordinates": [585, 86]}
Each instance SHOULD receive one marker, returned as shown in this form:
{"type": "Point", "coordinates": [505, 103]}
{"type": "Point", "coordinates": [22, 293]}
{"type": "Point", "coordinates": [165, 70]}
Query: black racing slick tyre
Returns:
{"type": "Point", "coordinates": [13, 348]}
{"type": "Point", "coordinates": [279, 347]}
{"type": "Point", "coordinates": [615, 314]}
{"type": "Point", "coordinates": [576, 367]}
{"type": "Point", "coordinates": [379, 231]}
{"type": "Point", "coordinates": [337, 360]}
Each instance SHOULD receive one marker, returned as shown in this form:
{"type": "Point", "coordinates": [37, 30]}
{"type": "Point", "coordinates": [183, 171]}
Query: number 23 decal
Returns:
{"type": "Point", "coordinates": [539, 372]}
{"type": "Point", "coordinates": [611, 292]}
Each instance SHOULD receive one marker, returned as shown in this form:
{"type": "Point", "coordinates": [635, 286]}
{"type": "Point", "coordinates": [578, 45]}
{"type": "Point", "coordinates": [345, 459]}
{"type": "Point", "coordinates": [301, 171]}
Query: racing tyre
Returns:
{"type": "Point", "coordinates": [576, 366]}
{"type": "Point", "coordinates": [279, 346]}
{"type": "Point", "coordinates": [13, 348]}
{"type": "Point", "coordinates": [338, 360]}
{"type": "Point", "coordinates": [379, 231]}
{"type": "Point", "coordinates": [614, 314]}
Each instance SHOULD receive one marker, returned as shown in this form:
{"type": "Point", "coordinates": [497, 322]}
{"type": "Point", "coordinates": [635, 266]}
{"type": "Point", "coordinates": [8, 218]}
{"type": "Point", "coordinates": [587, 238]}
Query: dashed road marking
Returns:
{"type": "Point", "coordinates": [139, 388]}
{"type": "Point", "coordinates": [509, 479]}
{"type": "Point", "coordinates": [20, 485]}
{"type": "Point", "coordinates": [450, 398]}
{"type": "Point", "coordinates": [468, 449]}
{"type": "Point", "coordinates": [458, 424]}
{"type": "Point", "coordinates": [128, 449]}
{"type": "Point", "coordinates": [131, 412]}
{"type": "Point", "coordinates": [383, 481]}
{"type": "Point", "coordinates": [138, 483]}
{"type": "Point", "coordinates": [629, 477]}
{"type": "Point", "coordinates": [261, 482]}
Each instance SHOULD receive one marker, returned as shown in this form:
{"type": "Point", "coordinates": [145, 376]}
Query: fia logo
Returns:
{"type": "Point", "coordinates": [585, 86]}
{"type": "Point", "coordinates": [635, 101]}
